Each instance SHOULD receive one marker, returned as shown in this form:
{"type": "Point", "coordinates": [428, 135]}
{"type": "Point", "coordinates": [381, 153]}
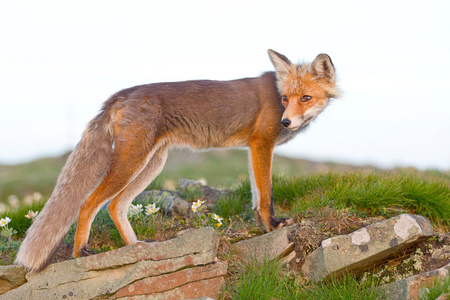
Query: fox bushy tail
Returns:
{"type": "Point", "coordinates": [83, 172]}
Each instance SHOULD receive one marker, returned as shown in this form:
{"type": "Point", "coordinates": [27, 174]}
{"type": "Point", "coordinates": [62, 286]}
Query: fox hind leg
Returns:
{"type": "Point", "coordinates": [129, 159]}
{"type": "Point", "coordinates": [119, 205]}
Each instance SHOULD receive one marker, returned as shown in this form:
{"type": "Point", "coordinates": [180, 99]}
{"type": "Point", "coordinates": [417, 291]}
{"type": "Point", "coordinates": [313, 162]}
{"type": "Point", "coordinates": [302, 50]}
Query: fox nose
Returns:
{"type": "Point", "coordinates": [286, 122]}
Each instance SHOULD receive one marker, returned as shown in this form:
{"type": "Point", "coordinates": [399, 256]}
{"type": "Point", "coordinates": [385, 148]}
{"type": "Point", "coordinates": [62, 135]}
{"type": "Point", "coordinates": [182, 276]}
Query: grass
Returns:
{"type": "Point", "coordinates": [238, 203]}
{"type": "Point", "coordinates": [438, 288]}
{"type": "Point", "coordinates": [375, 193]}
{"type": "Point", "coordinates": [24, 179]}
{"type": "Point", "coordinates": [40, 175]}
{"type": "Point", "coordinates": [372, 194]}
{"type": "Point", "coordinates": [18, 220]}
{"type": "Point", "coordinates": [331, 197]}
{"type": "Point", "coordinates": [270, 280]}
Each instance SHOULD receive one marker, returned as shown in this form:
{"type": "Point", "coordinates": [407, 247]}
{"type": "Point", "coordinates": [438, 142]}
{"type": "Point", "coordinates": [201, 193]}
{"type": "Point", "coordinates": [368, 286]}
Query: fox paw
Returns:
{"type": "Point", "coordinates": [85, 252]}
{"type": "Point", "coordinates": [277, 223]}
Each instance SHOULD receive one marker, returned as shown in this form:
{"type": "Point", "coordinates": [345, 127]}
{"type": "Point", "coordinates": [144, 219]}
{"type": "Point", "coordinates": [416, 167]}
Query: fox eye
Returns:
{"type": "Point", "coordinates": [306, 98]}
{"type": "Point", "coordinates": [284, 98]}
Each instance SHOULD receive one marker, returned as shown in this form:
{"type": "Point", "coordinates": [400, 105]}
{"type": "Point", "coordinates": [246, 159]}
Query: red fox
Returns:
{"type": "Point", "coordinates": [125, 146]}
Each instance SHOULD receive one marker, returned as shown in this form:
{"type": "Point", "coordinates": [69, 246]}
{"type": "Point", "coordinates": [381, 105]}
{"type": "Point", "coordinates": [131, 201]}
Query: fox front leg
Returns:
{"type": "Point", "coordinates": [261, 182]}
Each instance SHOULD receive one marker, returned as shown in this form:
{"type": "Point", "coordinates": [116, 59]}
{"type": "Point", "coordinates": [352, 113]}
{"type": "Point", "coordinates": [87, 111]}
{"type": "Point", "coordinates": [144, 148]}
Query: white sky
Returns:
{"type": "Point", "coordinates": [59, 60]}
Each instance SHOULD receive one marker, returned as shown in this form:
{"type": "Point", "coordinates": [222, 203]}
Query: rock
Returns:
{"type": "Point", "coordinates": [274, 244]}
{"type": "Point", "coordinates": [306, 238]}
{"type": "Point", "coordinates": [182, 284]}
{"type": "Point", "coordinates": [365, 247]}
{"type": "Point", "coordinates": [185, 184]}
{"type": "Point", "coordinates": [413, 287]}
{"type": "Point", "coordinates": [441, 253]}
{"type": "Point", "coordinates": [180, 207]}
{"type": "Point", "coordinates": [185, 264]}
{"type": "Point", "coordinates": [443, 296]}
{"type": "Point", "coordinates": [168, 202]}
{"type": "Point", "coordinates": [207, 193]}
{"type": "Point", "coordinates": [171, 202]}
{"type": "Point", "coordinates": [288, 258]}
{"type": "Point", "coordinates": [11, 277]}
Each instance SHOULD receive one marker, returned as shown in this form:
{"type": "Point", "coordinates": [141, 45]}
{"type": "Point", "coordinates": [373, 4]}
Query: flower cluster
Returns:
{"type": "Point", "coordinates": [6, 231]}
{"type": "Point", "coordinates": [32, 215]}
{"type": "Point", "coordinates": [196, 208]}
{"type": "Point", "coordinates": [134, 210]}
{"type": "Point", "coordinates": [218, 219]}
{"type": "Point", "coordinates": [196, 205]}
{"type": "Point", "coordinates": [4, 221]}
{"type": "Point", "coordinates": [35, 197]}
{"type": "Point", "coordinates": [14, 201]}
{"type": "Point", "coordinates": [150, 209]}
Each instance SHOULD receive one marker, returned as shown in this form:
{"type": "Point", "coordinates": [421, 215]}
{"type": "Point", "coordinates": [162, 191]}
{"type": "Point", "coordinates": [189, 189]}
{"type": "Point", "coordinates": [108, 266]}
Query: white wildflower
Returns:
{"type": "Point", "coordinates": [28, 200]}
{"type": "Point", "coordinates": [202, 181]}
{"type": "Point", "coordinates": [3, 208]}
{"type": "Point", "coordinates": [218, 218]}
{"type": "Point", "coordinates": [134, 210]}
{"type": "Point", "coordinates": [196, 205]}
{"type": "Point", "coordinates": [4, 221]}
{"type": "Point", "coordinates": [37, 196]}
{"type": "Point", "coordinates": [13, 201]}
{"type": "Point", "coordinates": [31, 214]}
{"type": "Point", "coordinates": [151, 209]}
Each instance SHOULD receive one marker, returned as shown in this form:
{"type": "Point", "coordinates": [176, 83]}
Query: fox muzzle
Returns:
{"type": "Point", "coordinates": [286, 122]}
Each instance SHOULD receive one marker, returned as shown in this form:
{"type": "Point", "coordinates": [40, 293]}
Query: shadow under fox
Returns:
{"type": "Point", "coordinates": [125, 146]}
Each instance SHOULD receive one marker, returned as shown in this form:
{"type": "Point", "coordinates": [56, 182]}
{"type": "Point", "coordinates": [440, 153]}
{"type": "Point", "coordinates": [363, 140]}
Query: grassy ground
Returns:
{"type": "Point", "coordinates": [40, 175]}
{"type": "Point", "coordinates": [270, 280]}
{"type": "Point", "coordinates": [330, 203]}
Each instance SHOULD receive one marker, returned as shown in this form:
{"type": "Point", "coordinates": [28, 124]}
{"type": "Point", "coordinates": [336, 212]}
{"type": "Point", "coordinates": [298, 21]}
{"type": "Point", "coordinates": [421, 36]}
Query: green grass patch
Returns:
{"type": "Point", "coordinates": [345, 288]}
{"type": "Point", "coordinates": [18, 220]}
{"type": "Point", "coordinates": [238, 203]}
{"type": "Point", "coordinates": [260, 281]}
{"type": "Point", "coordinates": [439, 287]}
{"type": "Point", "coordinates": [25, 179]}
{"type": "Point", "coordinates": [270, 280]}
{"type": "Point", "coordinates": [380, 193]}
{"type": "Point", "coordinates": [374, 193]}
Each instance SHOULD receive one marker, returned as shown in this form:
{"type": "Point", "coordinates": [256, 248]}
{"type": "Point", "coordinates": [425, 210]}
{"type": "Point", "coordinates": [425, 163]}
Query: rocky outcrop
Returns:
{"type": "Point", "coordinates": [168, 201]}
{"type": "Point", "coordinates": [186, 267]}
{"type": "Point", "coordinates": [272, 245]}
{"type": "Point", "coordinates": [414, 286]}
{"type": "Point", "coordinates": [172, 202]}
{"type": "Point", "coordinates": [208, 194]}
{"type": "Point", "coordinates": [11, 277]}
{"type": "Point", "coordinates": [366, 247]}
{"type": "Point", "coordinates": [181, 268]}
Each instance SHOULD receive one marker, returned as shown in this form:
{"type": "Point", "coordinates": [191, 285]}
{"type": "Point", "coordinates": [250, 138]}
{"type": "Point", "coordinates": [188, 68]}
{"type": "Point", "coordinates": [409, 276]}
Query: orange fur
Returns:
{"type": "Point", "coordinates": [125, 146]}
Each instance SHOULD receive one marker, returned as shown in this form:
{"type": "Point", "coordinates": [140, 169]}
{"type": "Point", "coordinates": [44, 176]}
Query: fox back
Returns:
{"type": "Point", "coordinates": [125, 146]}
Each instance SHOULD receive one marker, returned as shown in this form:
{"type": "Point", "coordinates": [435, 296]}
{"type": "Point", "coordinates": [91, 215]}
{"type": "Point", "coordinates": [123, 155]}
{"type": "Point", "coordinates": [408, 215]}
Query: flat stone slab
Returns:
{"type": "Point", "coordinates": [104, 274]}
{"type": "Point", "coordinates": [410, 288]}
{"type": "Point", "coordinates": [274, 244]}
{"type": "Point", "coordinates": [365, 247]}
{"type": "Point", "coordinates": [178, 285]}
{"type": "Point", "coordinates": [11, 277]}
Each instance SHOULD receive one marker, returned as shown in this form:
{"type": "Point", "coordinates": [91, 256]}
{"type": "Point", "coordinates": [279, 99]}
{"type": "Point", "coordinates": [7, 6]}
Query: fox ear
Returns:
{"type": "Point", "coordinates": [322, 67]}
{"type": "Point", "coordinates": [281, 64]}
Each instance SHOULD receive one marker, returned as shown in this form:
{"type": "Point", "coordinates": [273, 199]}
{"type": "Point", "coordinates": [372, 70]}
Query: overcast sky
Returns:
{"type": "Point", "coordinates": [59, 60]}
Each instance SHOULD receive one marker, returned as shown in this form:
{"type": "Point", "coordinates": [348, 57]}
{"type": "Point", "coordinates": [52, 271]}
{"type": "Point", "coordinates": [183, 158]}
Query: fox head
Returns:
{"type": "Point", "coordinates": [305, 89]}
